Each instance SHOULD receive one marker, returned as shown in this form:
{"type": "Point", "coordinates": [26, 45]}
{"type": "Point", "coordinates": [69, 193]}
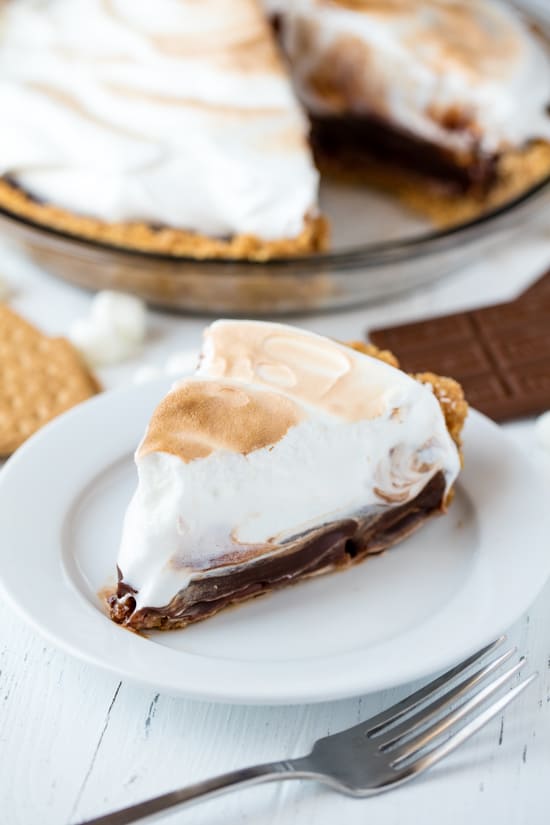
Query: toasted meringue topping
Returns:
{"type": "Point", "coordinates": [201, 417]}
{"type": "Point", "coordinates": [277, 433]}
{"type": "Point", "coordinates": [305, 367]}
{"type": "Point", "coordinates": [460, 74]}
{"type": "Point", "coordinates": [183, 117]}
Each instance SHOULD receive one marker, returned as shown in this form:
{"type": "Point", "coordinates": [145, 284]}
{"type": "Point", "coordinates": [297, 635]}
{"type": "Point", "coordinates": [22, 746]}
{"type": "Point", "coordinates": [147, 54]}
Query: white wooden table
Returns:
{"type": "Point", "coordinates": [75, 742]}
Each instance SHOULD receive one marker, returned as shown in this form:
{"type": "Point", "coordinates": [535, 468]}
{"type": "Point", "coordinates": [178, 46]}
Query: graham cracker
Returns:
{"type": "Point", "coordinates": [40, 377]}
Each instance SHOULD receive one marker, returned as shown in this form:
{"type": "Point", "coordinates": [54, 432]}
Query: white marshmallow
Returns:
{"type": "Point", "coordinates": [100, 345]}
{"type": "Point", "coordinates": [114, 330]}
{"type": "Point", "coordinates": [125, 314]}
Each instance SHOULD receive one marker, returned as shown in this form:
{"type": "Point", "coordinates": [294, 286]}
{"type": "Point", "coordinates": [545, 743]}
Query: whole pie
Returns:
{"type": "Point", "coordinates": [186, 131]}
{"type": "Point", "coordinates": [285, 455]}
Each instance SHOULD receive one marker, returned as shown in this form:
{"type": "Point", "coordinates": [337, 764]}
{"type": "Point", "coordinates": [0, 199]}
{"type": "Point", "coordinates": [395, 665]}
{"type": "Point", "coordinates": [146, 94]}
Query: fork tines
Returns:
{"type": "Point", "coordinates": [403, 732]}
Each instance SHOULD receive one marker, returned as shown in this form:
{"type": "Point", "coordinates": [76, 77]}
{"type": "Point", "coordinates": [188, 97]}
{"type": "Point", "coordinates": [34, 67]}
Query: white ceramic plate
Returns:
{"type": "Point", "coordinates": [455, 585]}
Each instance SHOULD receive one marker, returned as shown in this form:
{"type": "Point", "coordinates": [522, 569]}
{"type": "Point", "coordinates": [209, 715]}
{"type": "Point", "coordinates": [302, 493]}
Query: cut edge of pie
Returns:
{"type": "Point", "coordinates": [515, 173]}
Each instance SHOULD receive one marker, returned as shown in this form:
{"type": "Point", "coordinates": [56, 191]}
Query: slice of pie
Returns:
{"type": "Point", "coordinates": [171, 129]}
{"type": "Point", "coordinates": [456, 93]}
{"type": "Point", "coordinates": [285, 455]}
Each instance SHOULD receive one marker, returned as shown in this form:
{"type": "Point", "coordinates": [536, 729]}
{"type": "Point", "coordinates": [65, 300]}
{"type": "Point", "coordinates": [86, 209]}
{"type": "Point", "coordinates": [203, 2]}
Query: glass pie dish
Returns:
{"type": "Point", "coordinates": [378, 248]}
{"type": "Point", "coordinates": [410, 255]}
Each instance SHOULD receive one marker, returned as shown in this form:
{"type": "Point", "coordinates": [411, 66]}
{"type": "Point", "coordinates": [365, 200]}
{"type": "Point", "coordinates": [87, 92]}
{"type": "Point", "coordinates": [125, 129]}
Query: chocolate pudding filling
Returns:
{"type": "Point", "coordinates": [357, 141]}
{"type": "Point", "coordinates": [326, 548]}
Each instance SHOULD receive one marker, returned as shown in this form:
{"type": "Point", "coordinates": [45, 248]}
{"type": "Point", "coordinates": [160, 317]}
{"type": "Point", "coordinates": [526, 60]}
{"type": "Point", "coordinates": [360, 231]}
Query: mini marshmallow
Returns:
{"type": "Point", "coordinates": [99, 345]}
{"type": "Point", "coordinates": [542, 430]}
{"type": "Point", "coordinates": [121, 312]}
{"type": "Point", "coordinates": [113, 331]}
{"type": "Point", "coordinates": [181, 363]}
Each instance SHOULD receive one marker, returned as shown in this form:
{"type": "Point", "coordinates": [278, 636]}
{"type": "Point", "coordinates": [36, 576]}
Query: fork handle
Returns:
{"type": "Point", "coordinates": [245, 777]}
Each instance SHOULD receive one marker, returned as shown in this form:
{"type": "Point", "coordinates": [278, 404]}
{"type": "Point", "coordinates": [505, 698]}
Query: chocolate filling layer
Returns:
{"type": "Point", "coordinates": [356, 141]}
{"type": "Point", "coordinates": [330, 547]}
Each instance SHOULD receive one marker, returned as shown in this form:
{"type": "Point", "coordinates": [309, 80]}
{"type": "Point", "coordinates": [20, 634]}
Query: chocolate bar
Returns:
{"type": "Point", "coordinates": [500, 354]}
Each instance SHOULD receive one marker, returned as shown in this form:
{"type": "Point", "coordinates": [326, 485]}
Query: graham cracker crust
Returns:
{"type": "Point", "coordinates": [516, 172]}
{"type": "Point", "coordinates": [164, 240]}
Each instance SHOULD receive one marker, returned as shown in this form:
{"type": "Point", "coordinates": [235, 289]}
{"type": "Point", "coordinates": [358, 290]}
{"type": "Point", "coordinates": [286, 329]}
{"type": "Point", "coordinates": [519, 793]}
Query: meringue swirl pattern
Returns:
{"type": "Point", "coordinates": [182, 118]}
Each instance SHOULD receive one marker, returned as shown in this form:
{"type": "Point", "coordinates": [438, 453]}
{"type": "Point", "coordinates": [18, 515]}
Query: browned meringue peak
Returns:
{"type": "Point", "coordinates": [200, 417]}
{"type": "Point", "coordinates": [471, 34]}
{"type": "Point", "coordinates": [471, 77]}
{"type": "Point", "coordinates": [307, 367]}
{"type": "Point", "coordinates": [236, 35]}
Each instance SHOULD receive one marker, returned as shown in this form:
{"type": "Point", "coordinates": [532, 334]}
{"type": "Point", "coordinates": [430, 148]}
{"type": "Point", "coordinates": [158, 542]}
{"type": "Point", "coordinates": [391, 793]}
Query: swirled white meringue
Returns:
{"type": "Point", "coordinates": [459, 74]}
{"type": "Point", "coordinates": [340, 433]}
{"type": "Point", "coordinates": [175, 112]}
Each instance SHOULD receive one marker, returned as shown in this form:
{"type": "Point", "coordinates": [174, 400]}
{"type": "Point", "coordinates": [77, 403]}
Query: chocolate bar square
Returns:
{"type": "Point", "coordinates": [500, 354]}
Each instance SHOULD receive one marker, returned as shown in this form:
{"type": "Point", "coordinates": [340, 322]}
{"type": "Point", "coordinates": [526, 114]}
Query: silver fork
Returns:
{"type": "Point", "coordinates": [379, 753]}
